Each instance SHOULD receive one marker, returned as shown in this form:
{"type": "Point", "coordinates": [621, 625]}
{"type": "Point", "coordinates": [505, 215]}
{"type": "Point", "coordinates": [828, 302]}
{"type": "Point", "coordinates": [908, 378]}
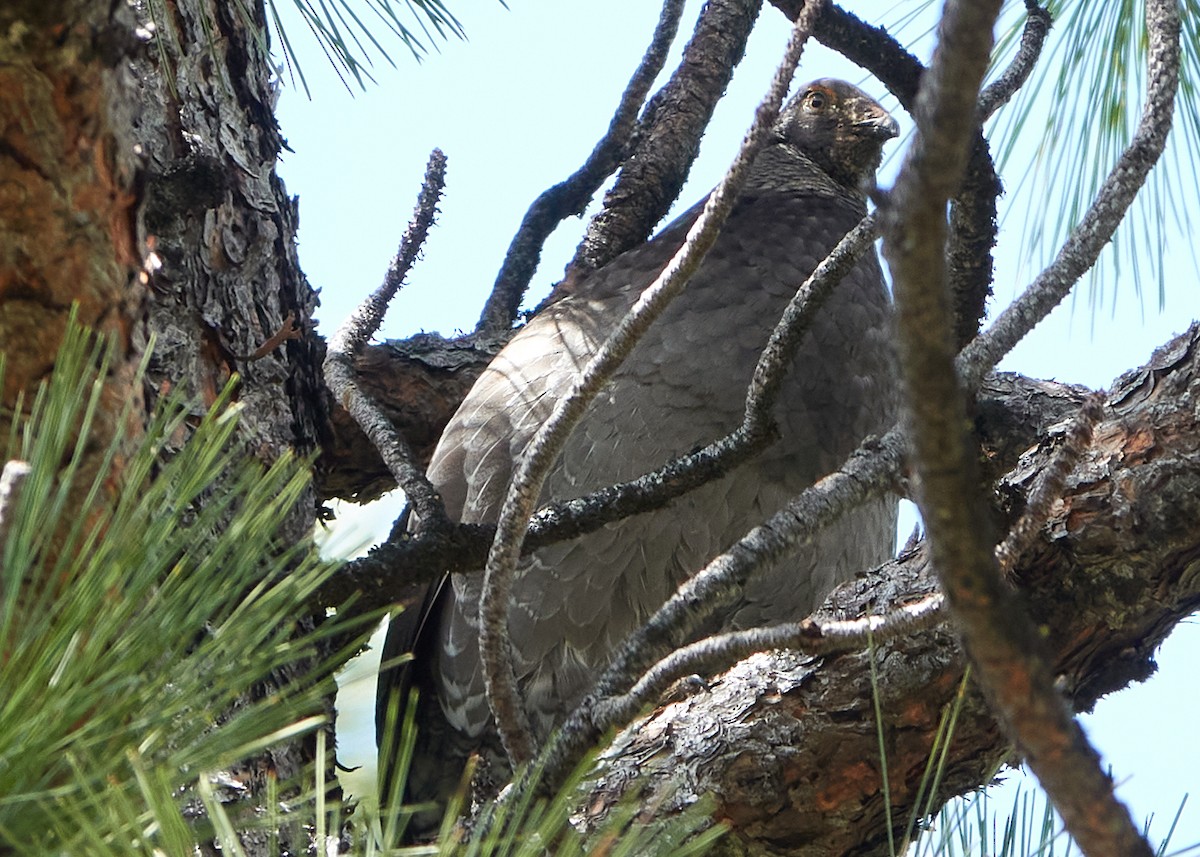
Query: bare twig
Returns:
{"type": "Point", "coordinates": [12, 478]}
{"type": "Point", "coordinates": [1096, 229]}
{"type": "Point", "coordinates": [463, 547]}
{"type": "Point", "coordinates": [1048, 489]}
{"type": "Point", "coordinates": [572, 195]}
{"type": "Point", "coordinates": [353, 335]}
{"type": "Point", "coordinates": [714, 654]}
{"type": "Point", "coordinates": [997, 632]}
{"type": "Point", "coordinates": [543, 450]}
{"type": "Point", "coordinates": [669, 135]}
{"type": "Point", "coordinates": [866, 474]}
{"type": "Point", "coordinates": [1033, 36]}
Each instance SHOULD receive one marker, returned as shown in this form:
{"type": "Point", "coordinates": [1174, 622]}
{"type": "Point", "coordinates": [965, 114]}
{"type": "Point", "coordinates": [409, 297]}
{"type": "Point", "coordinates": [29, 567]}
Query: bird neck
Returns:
{"type": "Point", "coordinates": [784, 167]}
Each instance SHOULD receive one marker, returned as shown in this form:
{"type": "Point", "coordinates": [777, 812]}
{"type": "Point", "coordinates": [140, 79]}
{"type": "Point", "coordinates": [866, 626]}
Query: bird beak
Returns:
{"type": "Point", "coordinates": [881, 126]}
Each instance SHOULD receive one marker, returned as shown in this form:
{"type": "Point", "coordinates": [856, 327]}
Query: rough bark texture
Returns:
{"type": "Point", "coordinates": [787, 744]}
{"type": "Point", "coordinates": [224, 228]}
{"type": "Point", "coordinates": [68, 195]}
{"type": "Point", "coordinates": [137, 180]}
{"type": "Point", "coordinates": [229, 297]}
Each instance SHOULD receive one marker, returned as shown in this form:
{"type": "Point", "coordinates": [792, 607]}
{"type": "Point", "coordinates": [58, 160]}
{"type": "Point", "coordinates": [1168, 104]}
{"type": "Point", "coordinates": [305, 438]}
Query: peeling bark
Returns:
{"type": "Point", "coordinates": [137, 181]}
{"type": "Point", "coordinates": [787, 744]}
{"type": "Point", "coordinates": [68, 194]}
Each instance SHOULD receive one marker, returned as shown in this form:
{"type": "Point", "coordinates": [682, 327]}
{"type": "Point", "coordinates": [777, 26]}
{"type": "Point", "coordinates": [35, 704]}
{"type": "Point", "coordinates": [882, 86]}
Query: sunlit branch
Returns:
{"type": "Point", "coordinates": [353, 335]}
{"type": "Point", "coordinates": [713, 654]}
{"type": "Point", "coordinates": [571, 196]}
{"type": "Point", "coordinates": [997, 632]}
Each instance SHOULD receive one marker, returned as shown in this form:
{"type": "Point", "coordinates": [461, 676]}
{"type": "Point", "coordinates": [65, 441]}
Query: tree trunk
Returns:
{"type": "Point", "coordinates": [68, 194]}
{"type": "Point", "coordinates": [137, 180]}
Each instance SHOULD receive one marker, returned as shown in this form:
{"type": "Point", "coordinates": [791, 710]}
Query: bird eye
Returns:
{"type": "Point", "coordinates": [817, 99]}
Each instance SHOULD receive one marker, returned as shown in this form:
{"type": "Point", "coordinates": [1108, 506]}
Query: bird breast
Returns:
{"type": "Point", "coordinates": [683, 386]}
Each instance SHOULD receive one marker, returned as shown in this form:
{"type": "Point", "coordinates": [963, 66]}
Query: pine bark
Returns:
{"type": "Point", "coordinates": [140, 184]}
{"type": "Point", "coordinates": [137, 182]}
{"type": "Point", "coordinates": [787, 744]}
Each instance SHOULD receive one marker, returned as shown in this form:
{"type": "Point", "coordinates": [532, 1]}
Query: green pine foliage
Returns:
{"type": "Point", "coordinates": [129, 627]}
{"type": "Point", "coordinates": [351, 33]}
{"type": "Point", "coordinates": [1082, 105]}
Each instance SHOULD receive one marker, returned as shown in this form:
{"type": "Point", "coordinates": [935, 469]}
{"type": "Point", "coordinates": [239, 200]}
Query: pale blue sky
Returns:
{"type": "Point", "coordinates": [517, 108]}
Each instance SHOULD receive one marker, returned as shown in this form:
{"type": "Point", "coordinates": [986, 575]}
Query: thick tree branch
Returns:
{"type": "Point", "coordinates": [418, 383]}
{"type": "Point", "coordinates": [545, 447]}
{"type": "Point", "coordinates": [352, 336]}
{"type": "Point", "coordinates": [668, 136]}
{"type": "Point", "coordinates": [1112, 570]}
{"type": "Point", "coordinates": [872, 48]}
{"type": "Point", "coordinates": [572, 195]}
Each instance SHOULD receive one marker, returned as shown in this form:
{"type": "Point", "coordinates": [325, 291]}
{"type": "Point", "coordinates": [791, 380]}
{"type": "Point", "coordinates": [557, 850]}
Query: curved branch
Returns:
{"type": "Point", "coordinates": [1096, 229]}
{"type": "Point", "coordinates": [808, 637]}
{"type": "Point", "coordinates": [572, 195]}
{"type": "Point", "coordinates": [872, 48]}
{"type": "Point", "coordinates": [543, 450]}
{"type": "Point", "coordinates": [996, 94]}
{"type": "Point", "coordinates": [797, 318]}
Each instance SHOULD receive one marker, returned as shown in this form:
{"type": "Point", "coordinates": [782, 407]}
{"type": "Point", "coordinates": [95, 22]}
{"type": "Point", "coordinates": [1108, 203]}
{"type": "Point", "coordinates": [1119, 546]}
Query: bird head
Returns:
{"type": "Point", "coordinates": [839, 127]}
